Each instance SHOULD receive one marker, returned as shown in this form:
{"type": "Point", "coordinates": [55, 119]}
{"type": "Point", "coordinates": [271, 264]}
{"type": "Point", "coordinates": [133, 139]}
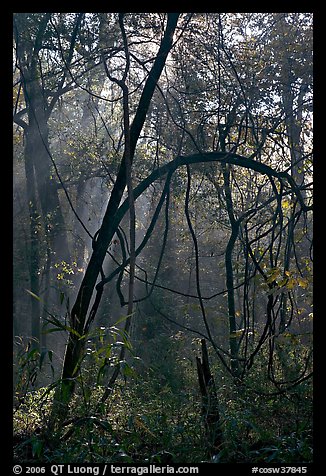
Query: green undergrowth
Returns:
{"type": "Point", "coordinates": [145, 421]}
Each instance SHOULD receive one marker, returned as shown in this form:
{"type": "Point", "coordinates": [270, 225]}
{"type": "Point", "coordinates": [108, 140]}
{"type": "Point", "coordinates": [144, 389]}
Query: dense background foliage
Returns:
{"type": "Point", "coordinates": [162, 207]}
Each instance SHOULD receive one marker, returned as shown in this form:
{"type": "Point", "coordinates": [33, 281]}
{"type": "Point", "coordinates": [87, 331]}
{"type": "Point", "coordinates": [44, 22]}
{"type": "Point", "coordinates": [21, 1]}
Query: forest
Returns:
{"type": "Point", "coordinates": [162, 238]}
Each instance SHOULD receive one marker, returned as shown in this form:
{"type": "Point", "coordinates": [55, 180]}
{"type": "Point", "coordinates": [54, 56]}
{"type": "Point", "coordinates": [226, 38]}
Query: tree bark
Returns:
{"type": "Point", "coordinates": [235, 225]}
{"type": "Point", "coordinates": [34, 248]}
{"type": "Point", "coordinates": [209, 401]}
{"type": "Point", "coordinates": [74, 349]}
{"type": "Point", "coordinates": [42, 193]}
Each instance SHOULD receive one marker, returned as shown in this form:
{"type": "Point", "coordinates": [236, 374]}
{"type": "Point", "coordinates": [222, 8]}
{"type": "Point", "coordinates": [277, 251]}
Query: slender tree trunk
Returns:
{"type": "Point", "coordinates": [34, 249]}
{"type": "Point", "coordinates": [46, 187]}
{"type": "Point", "coordinates": [233, 340]}
{"type": "Point", "coordinates": [293, 120]}
{"type": "Point", "coordinates": [210, 410]}
{"type": "Point", "coordinates": [49, 243]}
{"type": "Point", "coordinates": [74, 350]}
{"type": "Point", "coordinates": [46, 219]}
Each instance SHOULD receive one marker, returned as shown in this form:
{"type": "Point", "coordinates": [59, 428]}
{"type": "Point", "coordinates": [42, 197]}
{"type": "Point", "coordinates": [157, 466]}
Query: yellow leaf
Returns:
{"type": "Point", "coordinates": [291, 284]}
{"type": "Point", "coordinates": [303, 283]}
{"type": "Point", "coordinates": [283, 282]}
{"type": "Point", "coordinates": [236, 334]}
{"type": "Point", "coordinates": [273, 274]}
{"type": "Point", "coordinates": [141, 425]}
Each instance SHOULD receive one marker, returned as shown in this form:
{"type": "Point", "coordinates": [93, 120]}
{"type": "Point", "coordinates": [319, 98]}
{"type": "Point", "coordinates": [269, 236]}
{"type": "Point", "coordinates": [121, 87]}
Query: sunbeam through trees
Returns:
{"type": "Point", "coordinates": [163, 237]}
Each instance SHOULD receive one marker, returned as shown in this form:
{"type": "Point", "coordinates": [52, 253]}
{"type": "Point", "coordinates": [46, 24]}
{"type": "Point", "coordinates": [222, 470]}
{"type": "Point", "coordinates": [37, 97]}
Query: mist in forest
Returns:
{"type": "Point", "coordinates": [162, 237]}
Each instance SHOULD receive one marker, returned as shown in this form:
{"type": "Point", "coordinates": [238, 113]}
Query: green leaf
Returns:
{"type": "Point", "coordinates": [123, 318]}
{"type": "Point", "coordinates": [59, 326]}
{"type": "Point", "coordinates": [53, 329]}
{"type": "Point", "coordinates": [31, 354]}
{"type": "Point", "coordinates": [127, 370]}
{"type": "Point", "coordinates": [33, 295]}
{"type": "Point", "coordinates": [87, 394]}
{"type": "Point", "coordinates": [37, 447]}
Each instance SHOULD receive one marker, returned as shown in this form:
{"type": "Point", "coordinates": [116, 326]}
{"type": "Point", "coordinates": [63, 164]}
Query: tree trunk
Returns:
{"type": "Point", "coordinates": [42, 196]}
{"type": "Point", "coordinates": [209, 401]}
{"type": "Point", "coordinates": [233, 340]}
{"type": "Point", "coordinates": [34, 249]}
{"type": "Point", "coordinates": [79, 323]}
